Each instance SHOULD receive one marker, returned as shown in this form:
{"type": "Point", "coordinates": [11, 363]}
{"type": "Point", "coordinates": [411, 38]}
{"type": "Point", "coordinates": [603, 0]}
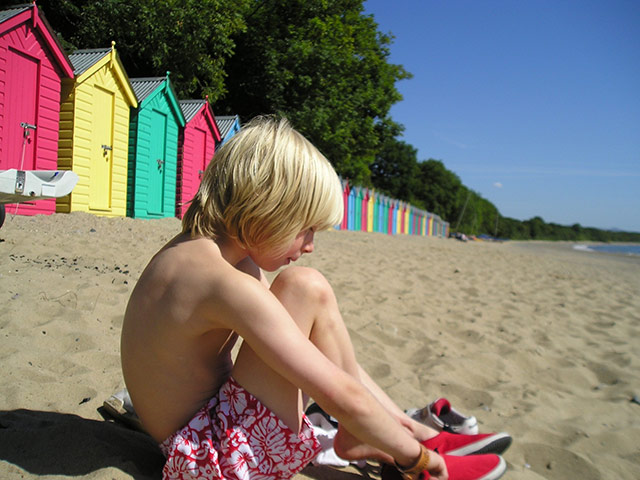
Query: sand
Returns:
{"type": "Point", "coordinates": [532, 338]}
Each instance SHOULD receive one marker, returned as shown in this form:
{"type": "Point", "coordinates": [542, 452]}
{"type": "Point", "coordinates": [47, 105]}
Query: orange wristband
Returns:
{"type": "Point", "coordinates": [413, 472]}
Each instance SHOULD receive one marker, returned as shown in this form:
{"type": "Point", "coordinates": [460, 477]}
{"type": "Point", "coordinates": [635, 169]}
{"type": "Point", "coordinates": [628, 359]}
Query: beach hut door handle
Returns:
{"type": "Point", "coordinates": [160, 163]}
{"type": "Point", "coordinates": [27, 128]}
{"type": "Point", "coordinates": [107, 147]}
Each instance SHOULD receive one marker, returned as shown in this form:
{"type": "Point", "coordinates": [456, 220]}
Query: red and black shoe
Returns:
{"type": "Point", "coordinates": [474, 467]}
{"type": "Point", "coordinates": [460, 445]}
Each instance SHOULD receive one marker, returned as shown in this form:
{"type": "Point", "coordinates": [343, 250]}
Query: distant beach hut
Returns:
{"type": "Point", "coordinates": [228, 126]}
{"type": "Point", "coordinates": [436, 226]}
{"type": "Point", "coordinates": [357, 217]}
{"type": "Point", "coordinates": [351, 222]}
{"type": "Point", "coordinates": [153, 149]}
{"type": "Point", "coordinates": [370, 209]}
{"type": "Point", "coordinates": [345, 199]}
{"type": "Point", "coordinates": [32, 66]}
{"type": "Point", "coordinates": [383, 222]}
{"type": "Point", "coordinates": [377, 212]}
{"type": "Point", "coordinates": [393, 217]}
{"type": "Point", "coordinates": [196, 146]}
{"type": "Point", "coordinates": [94, 132]}
{"type": "Point", "coordinates": [413, 216]}
{"type": "Point", "coordinates": [366, 195]}
{"type": "Point", "coordinates": [400, 218]}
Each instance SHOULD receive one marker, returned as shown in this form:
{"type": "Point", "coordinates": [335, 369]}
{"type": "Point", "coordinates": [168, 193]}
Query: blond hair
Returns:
{"type": "Point", "coordinates": [264, 186]}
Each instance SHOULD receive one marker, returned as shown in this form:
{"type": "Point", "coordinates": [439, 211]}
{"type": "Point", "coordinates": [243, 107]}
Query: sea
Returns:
{"type": "Point", "coordinates": [616, 249]}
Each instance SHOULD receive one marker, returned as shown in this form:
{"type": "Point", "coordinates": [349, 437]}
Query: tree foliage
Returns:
{"type": "Point", "coordinates": [395, 171]}
{"type": "Point", "coordinates": [324, 65]}
{"type": "Point", "coordinates": [190, 38]}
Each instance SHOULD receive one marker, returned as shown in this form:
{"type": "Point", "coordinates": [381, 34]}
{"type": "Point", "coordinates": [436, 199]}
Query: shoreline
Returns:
{"type": "Point", "coordinates": [570, 246]}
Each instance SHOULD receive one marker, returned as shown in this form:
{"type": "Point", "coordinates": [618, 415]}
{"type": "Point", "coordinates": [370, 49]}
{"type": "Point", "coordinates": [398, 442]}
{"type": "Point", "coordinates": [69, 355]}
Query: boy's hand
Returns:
{"type": "Point", "coordinates": [428, 465]}
{"type": "Point", "coordinates": [437, 468]}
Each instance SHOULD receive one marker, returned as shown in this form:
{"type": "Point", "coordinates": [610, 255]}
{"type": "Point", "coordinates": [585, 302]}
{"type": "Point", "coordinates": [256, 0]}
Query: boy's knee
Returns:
{"type": "Point", "coordinates": [305, 281]}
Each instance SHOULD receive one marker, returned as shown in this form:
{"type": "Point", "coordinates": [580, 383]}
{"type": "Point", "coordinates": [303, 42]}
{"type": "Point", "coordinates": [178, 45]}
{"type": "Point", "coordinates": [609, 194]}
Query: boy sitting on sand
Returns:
{"type": "Point", "coordinates": [262, 198]}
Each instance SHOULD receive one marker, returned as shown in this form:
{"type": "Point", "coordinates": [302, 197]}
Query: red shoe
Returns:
{"type": "Point", "coordinates": [475, 467]}
{"type": "Point", "coordinates": [459, 445]}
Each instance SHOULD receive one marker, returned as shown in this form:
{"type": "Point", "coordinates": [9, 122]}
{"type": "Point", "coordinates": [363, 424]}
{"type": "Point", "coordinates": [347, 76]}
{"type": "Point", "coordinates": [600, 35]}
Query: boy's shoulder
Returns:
{"type": "Point", "coordinates": [190, 261]}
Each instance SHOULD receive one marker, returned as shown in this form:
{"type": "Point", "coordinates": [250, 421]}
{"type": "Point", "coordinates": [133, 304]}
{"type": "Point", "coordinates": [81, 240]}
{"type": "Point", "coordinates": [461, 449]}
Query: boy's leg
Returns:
{"type": "Point", "coordinates": [310, 300]}
{"type": "Point", "coordinates": [329, 332]}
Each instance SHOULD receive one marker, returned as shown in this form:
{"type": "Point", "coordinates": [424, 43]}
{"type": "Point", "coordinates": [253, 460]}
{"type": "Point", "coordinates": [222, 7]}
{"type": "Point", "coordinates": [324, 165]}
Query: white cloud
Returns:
{"type": "Point", "coordinates": [497, 185]}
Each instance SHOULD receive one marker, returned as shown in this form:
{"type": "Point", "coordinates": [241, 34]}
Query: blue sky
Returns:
{"type": "Point", "coordinates": [534, 104]}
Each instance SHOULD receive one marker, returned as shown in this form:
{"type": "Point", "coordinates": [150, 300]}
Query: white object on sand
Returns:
{"type": "Point", "coordinates": [25, 185]}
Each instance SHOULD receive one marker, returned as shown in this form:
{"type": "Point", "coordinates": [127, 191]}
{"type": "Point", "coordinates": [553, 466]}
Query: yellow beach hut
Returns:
{"type": "Point", "coordinates": [94, 132]}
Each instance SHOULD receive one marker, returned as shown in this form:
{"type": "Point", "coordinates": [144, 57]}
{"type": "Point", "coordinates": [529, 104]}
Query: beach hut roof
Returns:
{"type": "Point", "coordinates": [13, 11]}
{"type": "Point", "coordinates": [41, 24]}
{"type": "Point", "coordinates": [226, 123]}
{"type": "Point", "coordinates": [87, 61]}
{"type": "Point", "coordinates": [190, 108]}
{"type": "Point", "coordinates": [82, 60]}
{"type": "Point", "coordinates": [143, 87]}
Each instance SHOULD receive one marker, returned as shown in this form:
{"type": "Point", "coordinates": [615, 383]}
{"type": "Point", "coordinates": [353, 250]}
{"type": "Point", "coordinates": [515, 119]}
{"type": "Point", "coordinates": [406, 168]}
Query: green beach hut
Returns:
{"type": "Point", "coordinates": [153, 149]}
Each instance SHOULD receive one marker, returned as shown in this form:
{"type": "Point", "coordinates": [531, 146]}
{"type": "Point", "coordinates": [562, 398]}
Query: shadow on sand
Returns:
{"type": "Point", "coordinates": [51, 443]}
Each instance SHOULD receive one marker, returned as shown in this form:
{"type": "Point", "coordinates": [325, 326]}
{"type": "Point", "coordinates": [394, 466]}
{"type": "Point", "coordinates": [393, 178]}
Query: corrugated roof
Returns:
{"type": "Point", "coordinates": [82, 60]}
{"type": "Point", "coordinates": [14, 10]}
{"type": "Point", "coordinates": [190, 108]}
{"type": "Point", "coordinates": [143, 87]}
{"type": "Point", "coordinates": [226, 123]}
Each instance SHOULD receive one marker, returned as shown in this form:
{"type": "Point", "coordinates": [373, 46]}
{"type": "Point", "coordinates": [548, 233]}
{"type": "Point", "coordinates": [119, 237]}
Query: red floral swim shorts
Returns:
{"type": "Point", "coordinates": [235, 437]}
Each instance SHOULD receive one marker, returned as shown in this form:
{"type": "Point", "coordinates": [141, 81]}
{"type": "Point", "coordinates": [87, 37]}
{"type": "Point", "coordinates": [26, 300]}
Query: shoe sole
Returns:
{"type": "Point", "coordinates": [496, 443]}
{"type": "Point", "coordinates": [496, 472]}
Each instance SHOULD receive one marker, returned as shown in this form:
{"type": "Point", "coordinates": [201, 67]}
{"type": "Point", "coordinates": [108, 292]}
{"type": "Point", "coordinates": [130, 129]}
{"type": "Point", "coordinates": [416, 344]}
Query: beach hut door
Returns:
{"type": "Point", "coordinates": [21, 96]}
{"type": "Point", "coordinates": [200, 154]}
{"type": "Point", "coordinates": [101, 169]}
{"type": "Point", "coordinates": [157, 162]}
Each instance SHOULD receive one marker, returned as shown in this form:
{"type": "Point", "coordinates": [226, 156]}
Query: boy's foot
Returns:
{"type": "Point", "coordinates": [440, 415]}
{"type": "Point", "coordinates": [476, 467]}
{"type": "Point", "coordinates": [459, 445]}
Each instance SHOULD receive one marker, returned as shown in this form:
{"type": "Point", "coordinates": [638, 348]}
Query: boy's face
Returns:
{"type": "Point", "coordinates": [270, 261]}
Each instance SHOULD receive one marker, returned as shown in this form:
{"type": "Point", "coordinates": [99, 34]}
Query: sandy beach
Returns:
{"type": "Point", "coordinates": [535, 339]}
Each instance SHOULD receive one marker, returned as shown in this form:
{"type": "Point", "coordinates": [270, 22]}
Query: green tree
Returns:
{"type": "Point", "coordinates": [440, 190]}
{"type": "Point", "coordinates": [189, 38]}
{"type": "Point", "coordinates": [324, 65]}
{"type": "Point", "coordinates": [395, 171]}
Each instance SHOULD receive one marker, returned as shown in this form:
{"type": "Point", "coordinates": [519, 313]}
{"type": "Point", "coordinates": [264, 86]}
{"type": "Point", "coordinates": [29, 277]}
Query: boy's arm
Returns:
{"type": "Point", "coordinates": [246, 307]}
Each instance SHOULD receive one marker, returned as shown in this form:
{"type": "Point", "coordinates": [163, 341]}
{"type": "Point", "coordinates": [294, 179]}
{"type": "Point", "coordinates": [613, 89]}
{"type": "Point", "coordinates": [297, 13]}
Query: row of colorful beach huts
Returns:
{"type": "Point", "coordinates": [137, 149]}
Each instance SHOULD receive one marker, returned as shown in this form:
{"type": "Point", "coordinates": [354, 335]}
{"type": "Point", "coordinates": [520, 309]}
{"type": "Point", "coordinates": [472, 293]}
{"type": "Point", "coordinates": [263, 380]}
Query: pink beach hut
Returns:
{"type": "Point", "coordinates": [364, 214]}
{"type": "Point", "coordinates": [345, 200]}
{"type": "Point", "coordinates": [32, 66]}
{"type": "Point", "coordinates": [196, 145]}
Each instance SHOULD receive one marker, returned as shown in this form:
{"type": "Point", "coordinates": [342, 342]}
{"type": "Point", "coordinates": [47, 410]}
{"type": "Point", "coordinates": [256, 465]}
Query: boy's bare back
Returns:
{"type": "Point", "coordinates": [173, 357]}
